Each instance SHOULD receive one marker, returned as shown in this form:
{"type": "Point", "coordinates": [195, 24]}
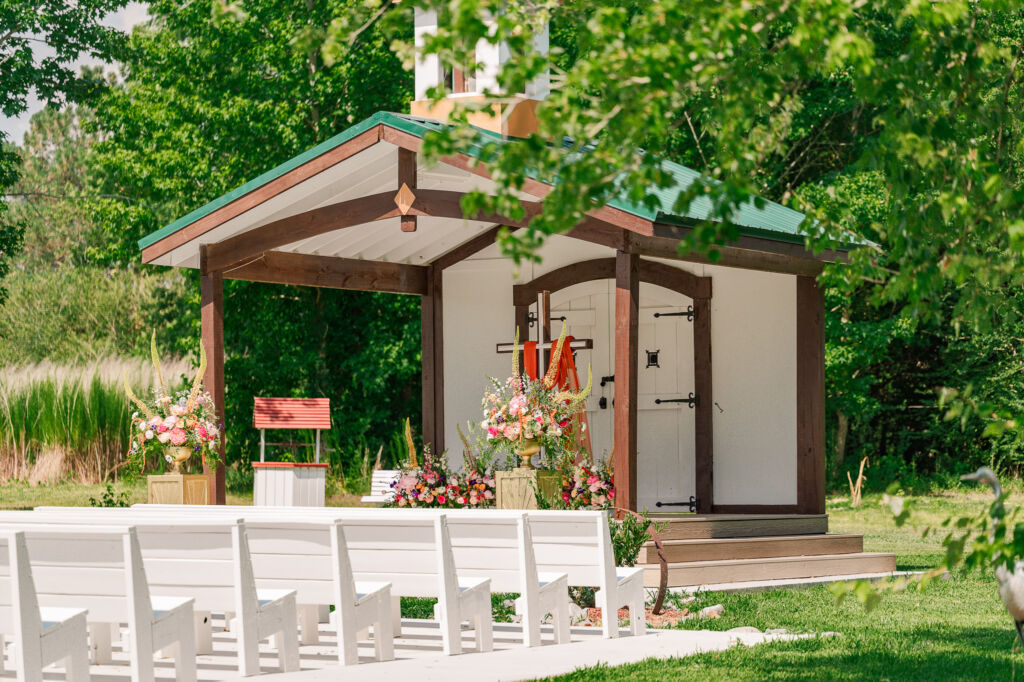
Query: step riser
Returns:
{"type": "Point", "coordinates": [743, 528]}
{"type": "Point", "coordinates": [686, 576]}
{"type": "Point", "coordinates": [745, 548]}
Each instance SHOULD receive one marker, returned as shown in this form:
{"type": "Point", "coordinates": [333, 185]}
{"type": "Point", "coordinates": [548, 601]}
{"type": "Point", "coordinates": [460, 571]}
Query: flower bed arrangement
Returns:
{"type": "Point", "coordinates": [175, 425]}
{"type": "Point", "coordinates": [433, 485]}
{"type": "Point", "coordinates": [586, 485]}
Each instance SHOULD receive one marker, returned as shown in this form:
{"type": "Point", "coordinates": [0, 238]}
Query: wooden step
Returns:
{"type": "Point", "coordinates": [686, 574]}
{"type": "Point", "coordinates": [716, 549]}
{"type": "Point", "coordinates": [697, 527]}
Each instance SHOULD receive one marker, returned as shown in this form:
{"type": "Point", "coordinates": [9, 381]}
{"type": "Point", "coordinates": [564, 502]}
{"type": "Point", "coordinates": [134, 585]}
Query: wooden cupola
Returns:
{"type": "Point", "coordinates": [515, 118]}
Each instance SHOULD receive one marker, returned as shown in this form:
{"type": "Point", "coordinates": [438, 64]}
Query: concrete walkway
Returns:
{"type": "Point", "coordinates": [510, 661]}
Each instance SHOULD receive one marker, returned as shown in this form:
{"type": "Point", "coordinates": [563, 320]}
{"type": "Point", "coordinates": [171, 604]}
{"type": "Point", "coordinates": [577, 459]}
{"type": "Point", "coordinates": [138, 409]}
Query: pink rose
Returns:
{"type": "Point", "coordinates": [177, 436]}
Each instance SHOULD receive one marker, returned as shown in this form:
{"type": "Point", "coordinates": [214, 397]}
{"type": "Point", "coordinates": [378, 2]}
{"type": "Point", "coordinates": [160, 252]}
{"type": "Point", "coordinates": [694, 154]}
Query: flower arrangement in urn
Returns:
{"type": "Point", "coordinates": [586, 485]}
{"type": "Point", "coordinates": [174, 425]}
{"type": "Point", "coordinates": [525, 414]}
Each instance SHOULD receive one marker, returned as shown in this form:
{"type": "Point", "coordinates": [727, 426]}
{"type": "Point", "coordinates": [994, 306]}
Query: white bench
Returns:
{"type": "Point", "coordinates": [101, 571]}
{"type": "Point", "coordinates": [411, 551]}
{"type": "Point", "coordinates": [577, 543]}
{"type": "Point", "coordinates": [381, 491]}
{"type": "Point", "coordinates": [42, 636]}
{"type": "Point", "coordinates": [207, 561]}
{"type": "Point", "coordinates": [310, 557]}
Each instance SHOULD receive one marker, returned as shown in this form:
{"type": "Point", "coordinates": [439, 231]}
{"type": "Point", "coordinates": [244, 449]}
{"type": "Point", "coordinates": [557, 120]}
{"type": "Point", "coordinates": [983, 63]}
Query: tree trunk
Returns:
{"type": "Point", "coordinates": [842, 429]}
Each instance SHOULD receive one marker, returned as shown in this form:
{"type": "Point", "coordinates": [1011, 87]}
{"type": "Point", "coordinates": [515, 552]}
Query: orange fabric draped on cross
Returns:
{"type": "Point", "coordinates": [567, 379]}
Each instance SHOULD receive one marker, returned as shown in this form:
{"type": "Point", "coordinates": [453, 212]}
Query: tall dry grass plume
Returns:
{"type": "Point", "coordinates": [64, 422]}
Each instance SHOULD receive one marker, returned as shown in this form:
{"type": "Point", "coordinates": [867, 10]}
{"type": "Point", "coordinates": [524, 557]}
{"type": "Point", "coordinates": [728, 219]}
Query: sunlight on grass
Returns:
{"type": "Point", "coordinates": [957, 629]}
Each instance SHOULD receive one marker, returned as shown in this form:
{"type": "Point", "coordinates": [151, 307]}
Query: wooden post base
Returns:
{"type": "Point", "coordinates": [179, 489]}
{"type": "Point", "coordinates": [516, 489]}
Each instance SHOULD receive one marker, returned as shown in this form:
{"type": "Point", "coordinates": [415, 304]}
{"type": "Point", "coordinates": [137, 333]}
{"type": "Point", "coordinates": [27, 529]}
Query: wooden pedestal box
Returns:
{"type": "Point", "coordinates": [179, 489]}
{"type": "Point", "coordinates": [289, 484]}
{"type": "Point", "coordinates": [515, 489]}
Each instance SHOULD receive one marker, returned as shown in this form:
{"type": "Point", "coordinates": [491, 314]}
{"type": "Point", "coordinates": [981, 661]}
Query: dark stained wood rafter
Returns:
{"type": "Point", "coordinates": [280, 267]}
{"type": "Point", "coordinates": [375, 207]}
{"type": "Point", "coordinates": [469, 248]}
{"type": "Point", "coordinates": [407, 178]}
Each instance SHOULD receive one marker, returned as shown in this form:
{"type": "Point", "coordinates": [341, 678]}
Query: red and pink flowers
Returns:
{"type": "Point", "coordinates": [434, 486]}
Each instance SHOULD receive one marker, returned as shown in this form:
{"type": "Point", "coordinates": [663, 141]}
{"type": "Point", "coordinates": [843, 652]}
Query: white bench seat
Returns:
{"type": "Point", "coordinates": [381, 491]}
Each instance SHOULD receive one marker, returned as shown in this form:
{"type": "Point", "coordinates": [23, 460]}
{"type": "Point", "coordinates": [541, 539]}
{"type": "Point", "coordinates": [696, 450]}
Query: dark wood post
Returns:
{"type": "Point", "coordinates": [212, 316]}
{"type": "Point", "coordinates": [810, 396]}
{"type": "Point", "coordinates": [627, 312]}
{"type": "Point", "coordinates": [432, 349]}
{"type": "Point", "coordinates": [703, 413]}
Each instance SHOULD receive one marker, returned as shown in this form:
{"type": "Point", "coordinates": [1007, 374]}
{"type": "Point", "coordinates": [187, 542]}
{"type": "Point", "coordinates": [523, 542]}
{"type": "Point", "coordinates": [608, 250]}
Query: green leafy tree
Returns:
{"type": "Point", "coordinates": [214, 95]}
{"type": "Point", "coordinates": [69, 30]}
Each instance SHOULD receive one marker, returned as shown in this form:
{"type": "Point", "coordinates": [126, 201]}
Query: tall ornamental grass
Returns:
{"type": "Point", "coordinates": [62, 422]}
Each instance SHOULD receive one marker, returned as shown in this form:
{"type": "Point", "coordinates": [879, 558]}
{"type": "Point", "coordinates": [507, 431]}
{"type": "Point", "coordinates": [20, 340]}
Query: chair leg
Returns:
{"type": "Point", "coordinates": [485, 627]}
{"type": "Point", "coordinates": [99, 641]}
{"type": "Point", "coordinates": [141, 657]}
{"type": "Point", "coordinates": [638, 615]}
{"type": "Point", "coordinates": [396, 616]}
{"type": "Point", "coordinates": [383, 638]}
{"type": "Point", "coordinates": [561, 623]}
{"type": "Point", "coordinates": [348, 642]}
{"type": "Point", "coordinates": [248, 644]}
{"type": "Point", "coordinates": [609, 615]}
{"type": "Point", "coordinates": [288, 648]}
{"type": "Point", "coordinates": [451, 635]}
{"type": "Point", "coordinates": [309, 623]}
{"type": "Point", "coordinates": [76, 665]}
{"type": "Point", "coordinates": [203, 624]}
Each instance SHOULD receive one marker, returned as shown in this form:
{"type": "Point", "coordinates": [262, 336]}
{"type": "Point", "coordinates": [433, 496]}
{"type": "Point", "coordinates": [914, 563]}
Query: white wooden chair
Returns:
{"type": "Point", "coordinates": [207, 560]}
{"type": "Point", "coordinates": [261, 613]}
{"type": "Point", "coordinates": [42, 636]}
{"type": "Point", "coordinates": [358, 606]}
{"type": "Point", "coordinates": [101, 570]}
{"type": "Point", "coordinates": [380, 486]}
{"type": "Point", "coordinates": [550, 596]}
{"type": "Point", "coordinates": [580, 544]}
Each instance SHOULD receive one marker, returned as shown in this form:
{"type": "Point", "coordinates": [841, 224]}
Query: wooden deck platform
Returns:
{"type": "Point", "coordinates": [724, 548]}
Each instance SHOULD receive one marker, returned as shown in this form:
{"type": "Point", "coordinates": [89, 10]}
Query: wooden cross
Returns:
{"type": "Point", "coordinates": [544, 334]}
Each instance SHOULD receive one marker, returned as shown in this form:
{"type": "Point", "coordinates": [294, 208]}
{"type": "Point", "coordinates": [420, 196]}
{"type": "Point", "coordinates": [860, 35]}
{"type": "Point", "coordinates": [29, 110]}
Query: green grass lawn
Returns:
{"type": "Point", "coordinates": [957, 629]}
{"type": "Point", "coordinates": [26, 496]}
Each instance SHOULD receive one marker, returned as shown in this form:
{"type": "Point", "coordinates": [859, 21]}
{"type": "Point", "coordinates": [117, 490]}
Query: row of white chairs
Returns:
{"type": "Point", "coordinates": [278, 567]}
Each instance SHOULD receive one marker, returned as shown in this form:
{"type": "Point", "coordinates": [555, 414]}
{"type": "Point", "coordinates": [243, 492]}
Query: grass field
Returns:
{"type": "Point", "coordinates": [957, 629]}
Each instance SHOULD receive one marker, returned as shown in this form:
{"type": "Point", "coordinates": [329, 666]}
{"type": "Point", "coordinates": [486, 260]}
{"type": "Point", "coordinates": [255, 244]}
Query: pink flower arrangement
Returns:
{"type": "Point", "coordinates": [586, 485]}
{"type": "Point", "coordinates": [435, 487]}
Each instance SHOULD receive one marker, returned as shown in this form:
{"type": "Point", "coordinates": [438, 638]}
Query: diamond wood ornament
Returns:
{"type": "Point", "coordinates": [404, 199]}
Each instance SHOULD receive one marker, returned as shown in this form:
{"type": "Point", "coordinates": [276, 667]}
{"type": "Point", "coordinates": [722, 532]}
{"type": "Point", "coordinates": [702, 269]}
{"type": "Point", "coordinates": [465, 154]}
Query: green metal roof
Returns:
{"type": "Point", "coordinates": [771, 221]}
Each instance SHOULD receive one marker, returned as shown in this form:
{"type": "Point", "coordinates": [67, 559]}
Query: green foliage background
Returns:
{"type": "Point", "coordinates": [212, 94]}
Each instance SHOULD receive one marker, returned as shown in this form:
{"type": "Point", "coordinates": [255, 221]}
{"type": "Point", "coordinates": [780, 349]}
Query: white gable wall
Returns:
{"type": "Point", "coordinates": [753, 353]}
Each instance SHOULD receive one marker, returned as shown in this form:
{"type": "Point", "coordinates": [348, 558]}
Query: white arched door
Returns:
{"type": "Point", "coordinates": [665, 429]}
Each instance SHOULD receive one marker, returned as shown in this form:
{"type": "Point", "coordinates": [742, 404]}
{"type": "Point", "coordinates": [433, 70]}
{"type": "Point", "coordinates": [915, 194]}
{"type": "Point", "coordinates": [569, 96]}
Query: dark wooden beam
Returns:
{"type": "Point", "coordinates": [810, 396]}
{"type": "Point", "coordinates": [627, 313]}
{"type": "Point", "coordinates": [680, 281]}
{"type": "Point", "coordinates": [704, 432]}
{"type": "Point", "coordinates": [659, 274]}
{"type": "Point", "coordinates": [407, 177]}
{"type": "Point", "coordinates": [437, 203]}
{"type": "Point", "coordinates": [662, 247]}
{"type": "Point", "coordinates": [279, 267]}
{"type": "Point", "coordinates": [432, 349]}
{"type": "Point", "coordinates": [212, 321]}
{"type": "Point", "coordinates": [260, 194]}
{"type": "Point", "coordinates": [467, 249]}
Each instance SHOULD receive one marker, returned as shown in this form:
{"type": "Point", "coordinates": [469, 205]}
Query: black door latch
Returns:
{"type": "Point", "coordinates": [692, 504]}
{"type": "Point", "coordinates": [691, 402]}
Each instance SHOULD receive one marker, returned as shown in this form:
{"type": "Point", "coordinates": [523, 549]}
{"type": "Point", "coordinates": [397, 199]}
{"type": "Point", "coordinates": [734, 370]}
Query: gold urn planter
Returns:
{"type": "Point", "coordinates": [527, 449]}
